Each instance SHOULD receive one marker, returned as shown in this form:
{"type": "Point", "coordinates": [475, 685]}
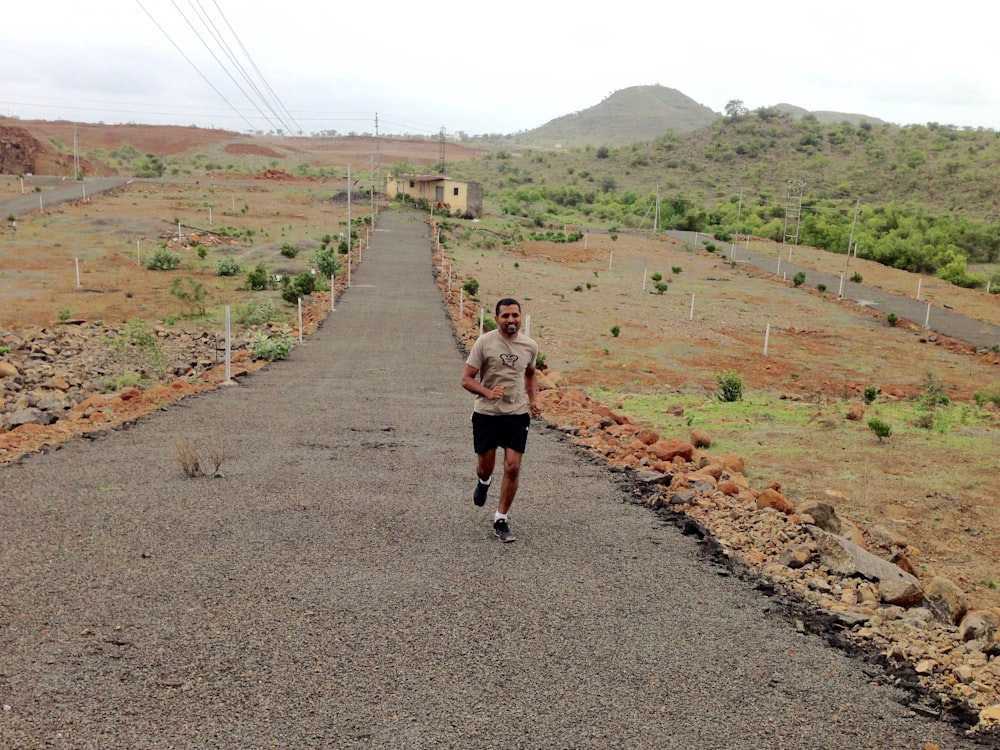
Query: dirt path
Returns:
{"type": "Point", "coordinates": [337, 588]}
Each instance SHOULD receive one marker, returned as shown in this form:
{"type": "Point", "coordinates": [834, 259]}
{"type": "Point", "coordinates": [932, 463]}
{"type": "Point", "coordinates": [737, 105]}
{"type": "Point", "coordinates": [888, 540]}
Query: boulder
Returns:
{"type": "Point", "coordinates": [771, 498]}
{"type": "Point", "coordinates": [820, 514]}
{"type": "Point", "coordinates": [668, 450]}
{"type": "Point", "coordinates": [946, 600]}
{"type": "Point", "coordinates": [895, 586]}
{"type": "Point", "coordinates": [700, 438]}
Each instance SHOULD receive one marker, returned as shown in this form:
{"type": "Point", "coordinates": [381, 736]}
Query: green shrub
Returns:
{"type": "Point", "coordinates": [857, 278]}
{"type": "Point", "coordinates": [471, 287]}
{"type": "Point", "coordinates": [255, 313]}
{"type": "Point", "coordinates": [139, 349]}
{"type": "Point", "coordinates": [799, 278]}
{"type": "Point", "coordinates": [660, 287]}
{"type": "Point", "coordinates": [302, 285]}
{"type": "Point", "coordinates": [730, 385]}
{"type": "Point", "coordinates": [289, 251]}
{"type": "Point", "coordinates": [881, 429]}
{"type": "Point", "coordinates": [259, 278]}
{"type": "Point", "coordinates": [990, 396]}
{"type": "Point", "coordinates": [871, 393]}
{"type": "Point", "coordinates": [163, 259]}
{"type": "Point", "coordinates": [540, 363]}
{"type": "Point", "coordinates": [271, 348]}
{"type": "Point", "coordinates": [121, 381]}
{"type": "Point", "coordinates": [201, 250]}
{"type": "Point", "coordinates": [615, 330]}
{"type": "Point", "coordinates": [192, 293]}
{"type": "Point", "coordinates": [657, 276]}
{"type": "Point", "coordinates": [675, 270]}
{"type": "Point", "coordinates": [228, 267]}
{"type": "Point", "coordinates": [821, 287]}
{"type": "Point", "coordinates": [892, 319]}
{"type": "Point", "coordinates": [326, 261]}
{"type": "Point", "coordinates": [63, 313]}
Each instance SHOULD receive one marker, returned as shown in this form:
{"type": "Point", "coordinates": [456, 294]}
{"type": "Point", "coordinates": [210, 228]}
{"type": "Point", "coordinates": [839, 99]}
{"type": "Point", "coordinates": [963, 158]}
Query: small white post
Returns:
{"type": "Point", "coordinates": [22, 186]}
{"type": "Point", "coordinates": [990, 281]}
{"type": "Point", "coordinates": [585, 237]}
{"type": "Point", "coordinates": [77, 260]}
{"type": "Point", "coordinates": [840, 294]}
{"type": "Point", "coordinates": [644, 272]}
{"type": "Point", "coordinates": [449, 281]}
{"type": "Point", "coordinates": [210, 216]}
{"type": "Point", "coordinates": [348, 267]}
{"type": "Point", "coordinates": [927, 318]}
{"type": "Point", "coordinates": [611, 257]}
{"type": "Point", "coordinates": [234, 203]}
{"type": "Point", "coordinates": [41, 209]}
{"type": "Point", "coordinates": [333, 293]}
{"type": "Point", "coordinates": [461, 303]}
{"type": "Point", "coordinates": [229, 348]}
{"type": "Point", "coordinates": [767, 337]}
{"type": "Point", "coordinates": [180, 237]}
{"type": "Point", "coordinates": [527, 326]}
{"type": "Point", "coordinates": [691, 314]}
{"type": "Point", "coordinates": [300, 320]}
{"type": "Point", "coordinates": [789, 254]}
{"type": "Point", "coordinates": [919, 282]}
{"type": "Point", "coordinates": [778, 272]}
{"type": "Point", "coordinates": [696, 238]}
{"type": "Point", "coordinates": [368, 235]}
{"type": "Point", "coordinates": [138, 256]}
{"type": "Point", "coordinates": [84, 186]}
{"type": "Point", "coordinates": [481, 319]}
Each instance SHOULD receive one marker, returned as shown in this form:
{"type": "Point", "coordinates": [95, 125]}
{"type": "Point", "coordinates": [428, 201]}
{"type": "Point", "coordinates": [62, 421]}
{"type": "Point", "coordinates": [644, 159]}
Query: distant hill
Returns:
{"type": "Point", "coordinates": [797, 113]}
{"type": "Point", "coordinates": [638, 113]}
{"type": "Point", "coordinates": [644, 113]}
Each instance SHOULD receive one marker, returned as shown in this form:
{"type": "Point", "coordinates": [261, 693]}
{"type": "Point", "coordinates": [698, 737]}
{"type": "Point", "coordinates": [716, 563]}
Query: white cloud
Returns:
{"type": "Point", "coordinates": [491, 68]}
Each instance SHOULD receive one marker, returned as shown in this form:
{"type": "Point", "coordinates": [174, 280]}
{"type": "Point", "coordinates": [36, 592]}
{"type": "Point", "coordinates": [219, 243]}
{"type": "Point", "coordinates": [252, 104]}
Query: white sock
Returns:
{"type": "Point", "coordinates": [498, 516]}
{"type": "Point", "coordinates": [488, 482]}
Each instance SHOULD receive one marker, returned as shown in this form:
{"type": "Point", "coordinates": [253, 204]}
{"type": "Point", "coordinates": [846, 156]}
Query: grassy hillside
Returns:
{"type": "Point", "coordinates": [925, 192]}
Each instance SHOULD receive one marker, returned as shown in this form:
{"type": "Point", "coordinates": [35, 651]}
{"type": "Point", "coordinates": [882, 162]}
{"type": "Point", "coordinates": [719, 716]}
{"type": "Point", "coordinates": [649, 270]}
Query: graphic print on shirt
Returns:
{"type": "Point", "coordinates": [510, 360]}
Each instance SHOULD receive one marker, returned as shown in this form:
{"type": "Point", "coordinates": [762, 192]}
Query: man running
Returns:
{"type": "Point", "coordinates": [500, 371]}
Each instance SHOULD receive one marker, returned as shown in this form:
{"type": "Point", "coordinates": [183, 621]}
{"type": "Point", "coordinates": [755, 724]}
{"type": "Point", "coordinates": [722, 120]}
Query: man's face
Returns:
{"type": "Point", "coordinates": [509, 320]}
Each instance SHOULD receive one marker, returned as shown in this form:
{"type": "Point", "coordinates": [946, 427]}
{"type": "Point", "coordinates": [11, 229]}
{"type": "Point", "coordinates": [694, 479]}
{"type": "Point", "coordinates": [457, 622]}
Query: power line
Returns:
{"type": "Point", "coordinates": [298, 128]}
{"type": "Point", "coordinates": [191, 63]}
{"type": "Point", "coordinates": [221, 65]}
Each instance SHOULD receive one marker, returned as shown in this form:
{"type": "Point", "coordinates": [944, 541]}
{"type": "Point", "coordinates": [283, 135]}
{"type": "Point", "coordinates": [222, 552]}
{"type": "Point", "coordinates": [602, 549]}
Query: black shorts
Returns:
{"type": "Point", "coordinates": [491, 431]}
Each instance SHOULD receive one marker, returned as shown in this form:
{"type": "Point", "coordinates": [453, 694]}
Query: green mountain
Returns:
{"type": "Point", "coordinates": [638, 113]}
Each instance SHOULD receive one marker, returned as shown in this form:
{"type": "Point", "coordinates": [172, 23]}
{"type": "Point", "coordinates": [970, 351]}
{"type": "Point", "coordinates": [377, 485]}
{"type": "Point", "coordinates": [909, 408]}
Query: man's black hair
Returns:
{"type": "Point", "coordinates": [504, 302]}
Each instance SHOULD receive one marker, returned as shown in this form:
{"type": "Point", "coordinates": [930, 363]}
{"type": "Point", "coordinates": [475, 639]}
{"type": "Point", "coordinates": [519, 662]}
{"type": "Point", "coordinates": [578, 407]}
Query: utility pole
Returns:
{"type": "Point", "coordinates": [736, 234]}
{"type": "Point", "coordinates": [850, 243]}
{"type": "Point", "coordinates": [76, 155]}
{"type": "Point", "coordinates": [793, 209]}
{"type": "Point", "coordinates": [656, 216]}
{"type": "Point", "coordinates": [441, 154]}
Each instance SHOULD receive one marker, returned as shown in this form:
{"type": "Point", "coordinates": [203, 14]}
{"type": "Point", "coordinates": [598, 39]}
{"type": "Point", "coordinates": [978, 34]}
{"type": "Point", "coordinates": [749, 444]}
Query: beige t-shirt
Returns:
{"type": "Point", "coordinates": [503, 361]}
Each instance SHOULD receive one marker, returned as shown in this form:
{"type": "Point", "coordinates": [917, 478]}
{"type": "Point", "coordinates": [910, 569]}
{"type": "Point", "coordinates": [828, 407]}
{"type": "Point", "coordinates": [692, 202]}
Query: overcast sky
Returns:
{"type": "Point", "coordinates": [497, 67]}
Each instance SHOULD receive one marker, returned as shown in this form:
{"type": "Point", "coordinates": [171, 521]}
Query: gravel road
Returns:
{"type": "Point", "coordinates": [337, 587]}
